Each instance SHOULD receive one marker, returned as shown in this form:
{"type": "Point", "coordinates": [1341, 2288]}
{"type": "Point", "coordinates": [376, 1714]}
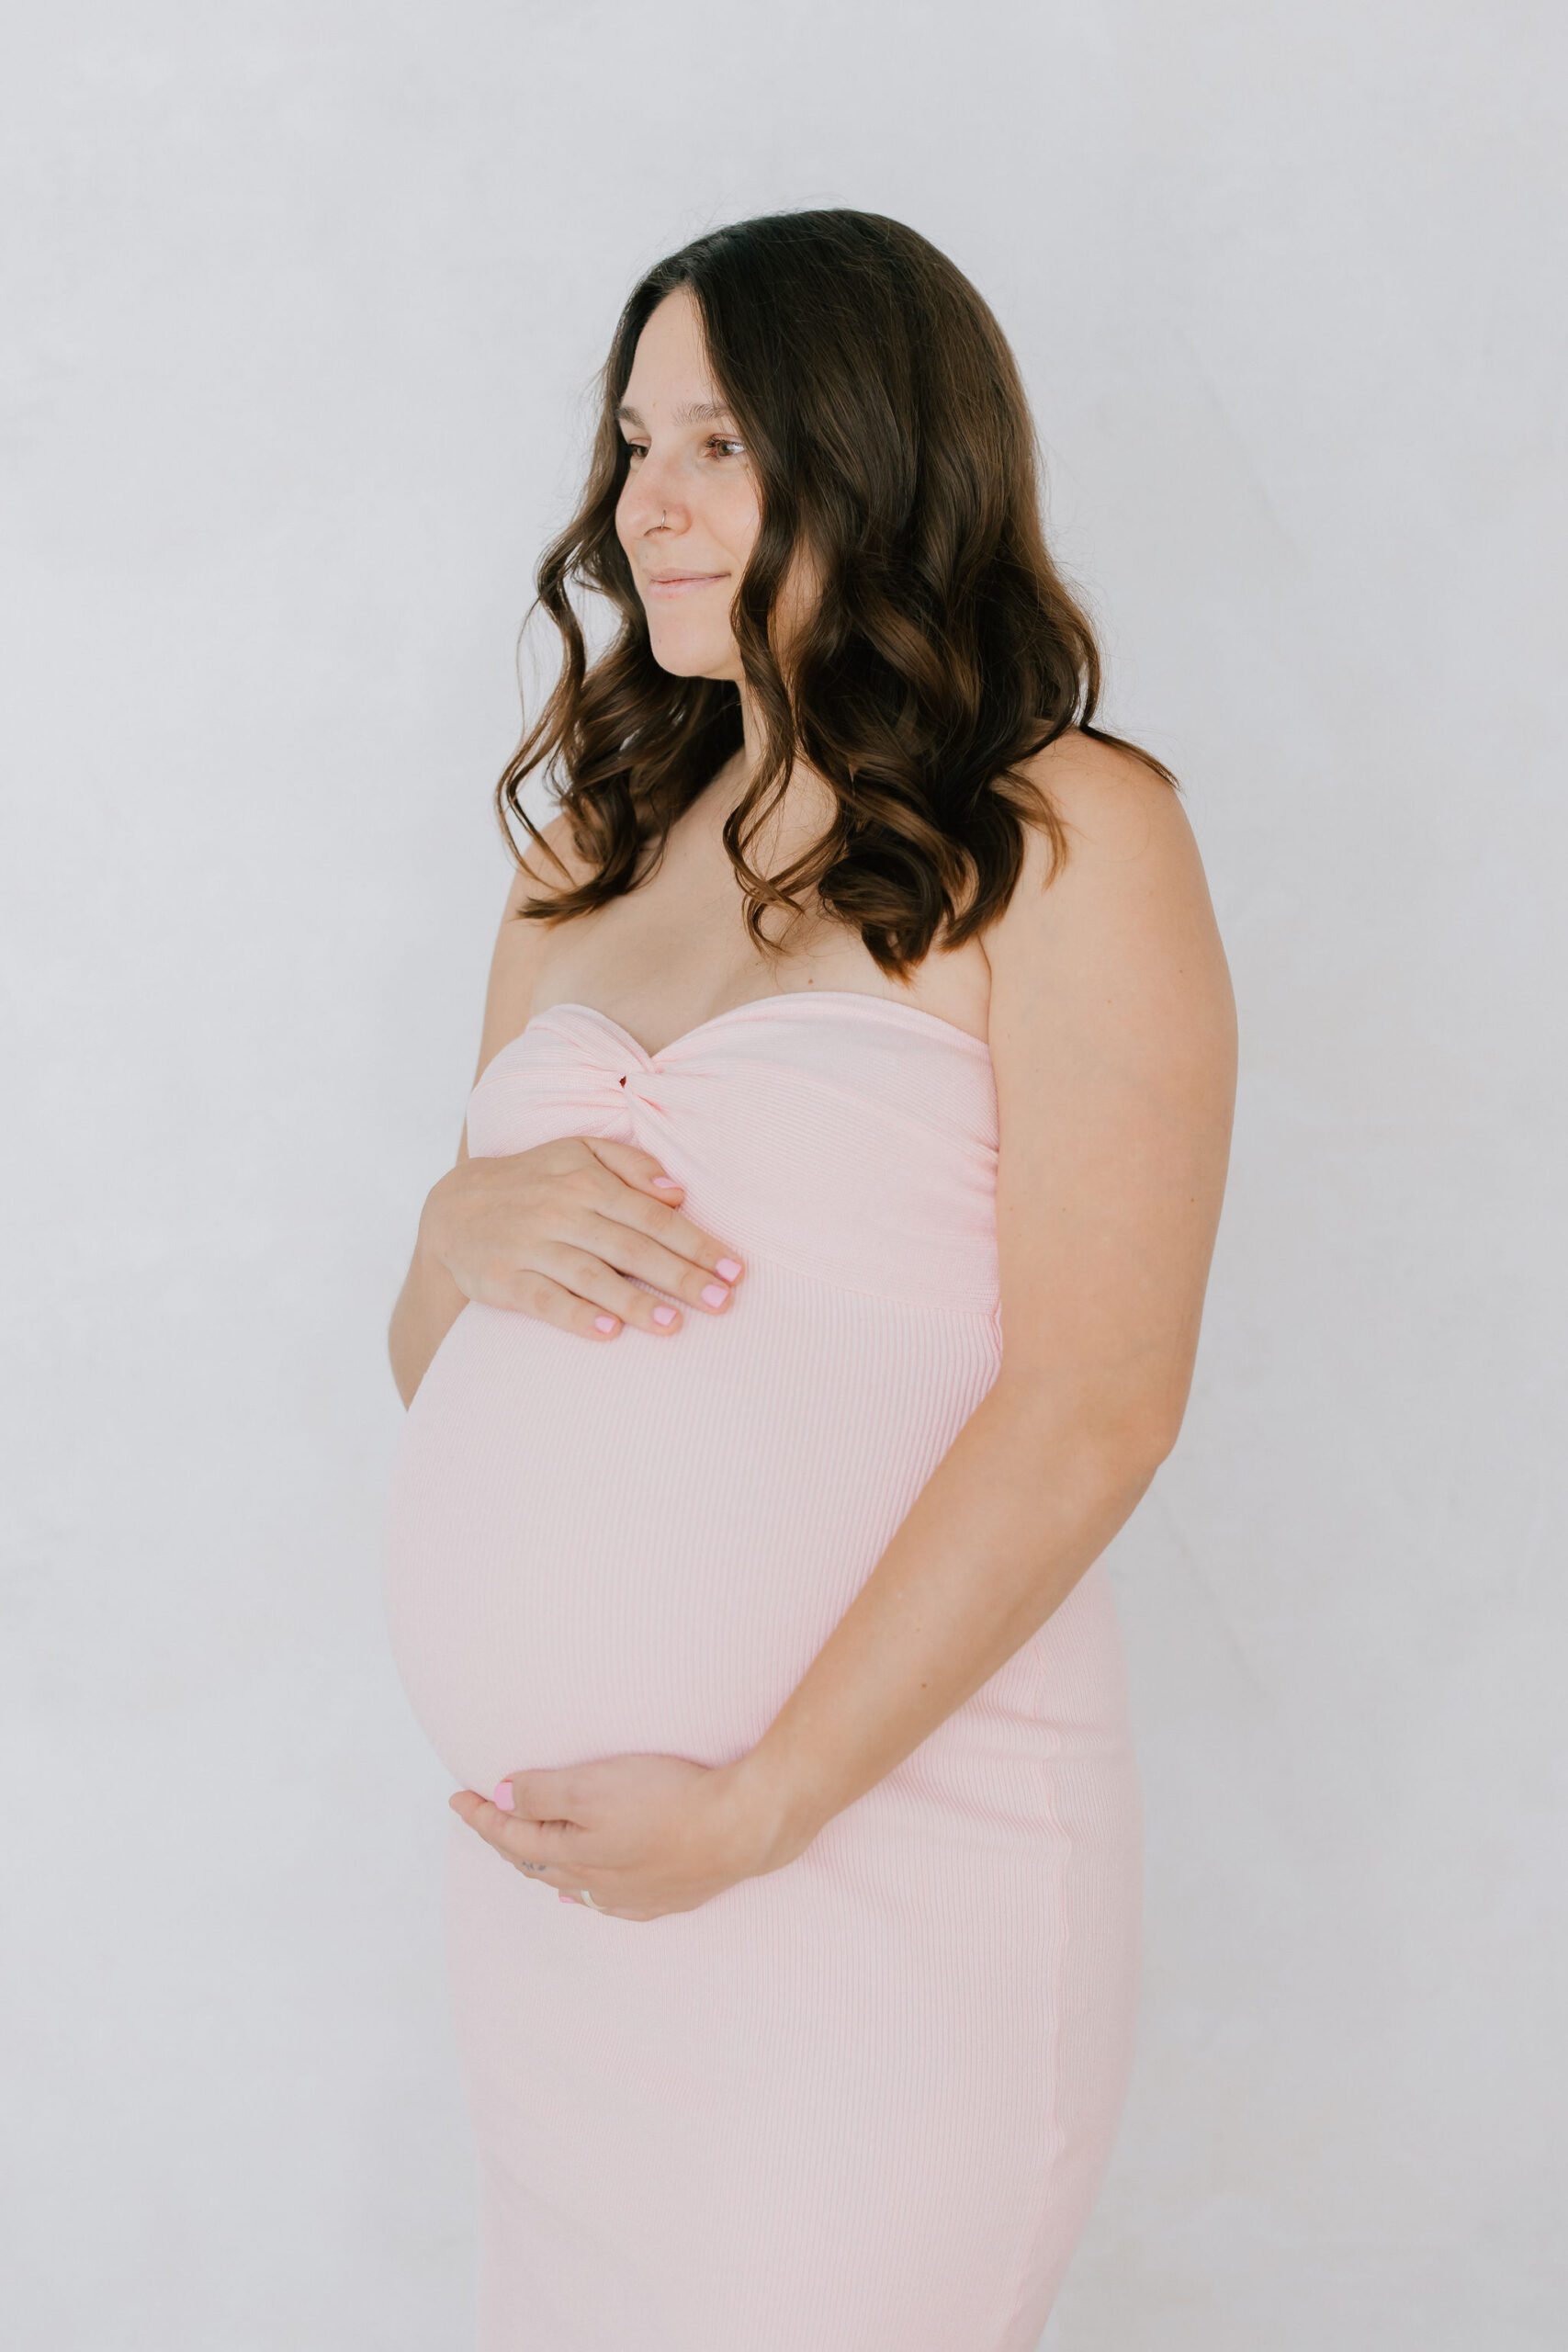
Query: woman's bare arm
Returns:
{"type": "Point", "coordinates": [1112, 1034]}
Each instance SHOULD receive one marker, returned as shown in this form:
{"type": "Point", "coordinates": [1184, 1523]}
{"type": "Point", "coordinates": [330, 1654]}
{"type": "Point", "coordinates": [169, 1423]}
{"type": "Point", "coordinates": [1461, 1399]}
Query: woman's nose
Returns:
{"type": "Point", "coordinates": [650, 498]}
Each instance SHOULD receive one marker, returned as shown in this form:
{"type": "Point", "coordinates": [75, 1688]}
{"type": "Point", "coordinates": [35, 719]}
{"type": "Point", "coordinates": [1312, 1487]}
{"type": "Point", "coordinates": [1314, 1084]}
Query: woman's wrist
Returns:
{"type": "Point", "coordinates": [772, 1817]}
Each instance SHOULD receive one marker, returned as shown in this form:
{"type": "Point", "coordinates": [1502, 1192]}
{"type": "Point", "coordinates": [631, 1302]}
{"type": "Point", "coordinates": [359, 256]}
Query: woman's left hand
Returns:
{"type": "Point", "coordinates": [644, 1834]}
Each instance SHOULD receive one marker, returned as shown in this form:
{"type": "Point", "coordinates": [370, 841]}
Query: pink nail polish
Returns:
{"type": "Point", "coordinates": [666, 1185]}
{"type": "Point", "coordinates": [664, 1314]}
{"type": "Point", "coordinates": [603, 1322]}
{"type": "Point", "coordinates": [563, 1894]}
{"type": "Point", "coordinates": [714, 1293]}
{"type": "Point", "coordinates": [503, 1797]}
{"type": "Point", "coordinates": [729, 1268]}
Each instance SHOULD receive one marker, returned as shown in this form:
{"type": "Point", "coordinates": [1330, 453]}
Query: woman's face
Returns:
{"type": "Point", "coordinates": [688, 511]}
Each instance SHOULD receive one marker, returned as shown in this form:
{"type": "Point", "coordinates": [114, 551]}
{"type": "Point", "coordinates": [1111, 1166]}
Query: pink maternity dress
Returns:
{"type": "Point", "coordinates": [863, 2103]}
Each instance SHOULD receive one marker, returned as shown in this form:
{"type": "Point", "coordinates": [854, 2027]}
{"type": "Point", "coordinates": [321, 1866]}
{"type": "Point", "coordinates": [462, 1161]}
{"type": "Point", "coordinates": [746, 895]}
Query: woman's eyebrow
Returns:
{"type": "Point", "coordinates": [698, 412]}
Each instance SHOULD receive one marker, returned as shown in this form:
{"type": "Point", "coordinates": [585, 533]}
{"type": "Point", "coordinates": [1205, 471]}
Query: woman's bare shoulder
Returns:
{"type": "Point", "coordinates": [548, 864]}
{"type": "Point", "coordinates": [1127, 895]}
{"type": "Point", "coordinates": [547, 867]}
{"type": "Point", "coordinates": [1122, 827]}
{"type": "Point", "coordinates": [1109, 800]}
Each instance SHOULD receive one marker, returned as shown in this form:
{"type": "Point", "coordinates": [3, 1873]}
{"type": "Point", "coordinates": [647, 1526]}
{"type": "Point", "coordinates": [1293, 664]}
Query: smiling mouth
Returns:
{"type": "Point", "coordinates": [681, 583]}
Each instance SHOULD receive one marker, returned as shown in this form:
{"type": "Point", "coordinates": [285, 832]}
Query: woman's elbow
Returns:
{"type": "Point", "coordinates": [1119, 1437]}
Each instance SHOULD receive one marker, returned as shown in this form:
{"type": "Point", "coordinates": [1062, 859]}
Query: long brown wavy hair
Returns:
{"type": "Point", "coordinates": [890, 439]}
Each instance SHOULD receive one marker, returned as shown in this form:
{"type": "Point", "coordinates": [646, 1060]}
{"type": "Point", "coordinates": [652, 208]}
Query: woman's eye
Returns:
{"type": "Point", "coordinates": [723, 446]}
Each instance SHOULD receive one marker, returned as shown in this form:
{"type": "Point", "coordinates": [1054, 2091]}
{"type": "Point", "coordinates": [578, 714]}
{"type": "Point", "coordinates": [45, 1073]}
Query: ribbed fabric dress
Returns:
{"type": "Point", "coordinates": [863, 2103]}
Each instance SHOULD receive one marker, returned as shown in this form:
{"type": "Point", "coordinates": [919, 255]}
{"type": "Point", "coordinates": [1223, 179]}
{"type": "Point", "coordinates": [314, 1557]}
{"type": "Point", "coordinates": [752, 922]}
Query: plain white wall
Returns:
{"type": "Point", "coordinates": [300, 304]}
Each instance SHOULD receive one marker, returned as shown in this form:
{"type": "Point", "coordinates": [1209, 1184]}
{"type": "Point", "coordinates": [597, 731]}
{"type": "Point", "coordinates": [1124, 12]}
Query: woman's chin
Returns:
{"type": "Point", "coordinates": [690, 657]}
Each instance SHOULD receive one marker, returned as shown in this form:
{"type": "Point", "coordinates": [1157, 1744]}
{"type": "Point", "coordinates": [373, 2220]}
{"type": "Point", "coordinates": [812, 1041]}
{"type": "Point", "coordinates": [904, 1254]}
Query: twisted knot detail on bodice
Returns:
{"type": "Point", "coordinates": [876, 1118]}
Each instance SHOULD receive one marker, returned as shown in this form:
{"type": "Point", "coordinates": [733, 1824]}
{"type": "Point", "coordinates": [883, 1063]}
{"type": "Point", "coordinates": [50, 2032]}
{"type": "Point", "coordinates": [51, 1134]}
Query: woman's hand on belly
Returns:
{"type": "Point", "coordinates": [645, 1834]}
{"type": "Point", "coordinates": [557, 1232]}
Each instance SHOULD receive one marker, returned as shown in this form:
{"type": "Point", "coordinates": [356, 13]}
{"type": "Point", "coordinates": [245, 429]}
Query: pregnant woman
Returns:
{"type": "Point", "coordinates": [814, 1296]}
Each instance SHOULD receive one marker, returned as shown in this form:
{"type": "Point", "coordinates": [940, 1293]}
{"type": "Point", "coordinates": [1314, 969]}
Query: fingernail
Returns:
{"type": "Point", "coordinates": [729, 1268]}
{"type": "Point", "coordinates": [603, 1322]}
{"type": "Point", "coordinates": [503, 1797]}
{"type": "Point", "coordinates": [563, 1894]}
{"type": "Point", "coordinates": [666, 1185]}
{"type": "Point", "coordinates": [714, 1293]}
{"type": "Point", "coordinates": [664, 1314]}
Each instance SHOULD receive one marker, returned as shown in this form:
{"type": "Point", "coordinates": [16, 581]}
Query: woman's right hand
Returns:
{"type": "Point", "coordinates": [557, 1231]}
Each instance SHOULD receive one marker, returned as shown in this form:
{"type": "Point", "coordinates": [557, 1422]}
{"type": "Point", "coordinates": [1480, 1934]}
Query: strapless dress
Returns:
{"type": "Point", "coordinates": [863, 2103]}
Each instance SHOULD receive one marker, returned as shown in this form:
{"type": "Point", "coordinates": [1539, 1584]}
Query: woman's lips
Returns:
{"type": "Point", "coordinates": [684, 585]}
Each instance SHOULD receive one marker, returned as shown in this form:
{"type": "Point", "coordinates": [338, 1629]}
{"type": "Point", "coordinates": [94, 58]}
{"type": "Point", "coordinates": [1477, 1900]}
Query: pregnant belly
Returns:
{"type": "Point", "coordinates": [642, 1545]}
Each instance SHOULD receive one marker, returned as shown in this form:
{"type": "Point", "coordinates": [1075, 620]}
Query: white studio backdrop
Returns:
{"type": "Point", "coordinates": [301, 305]}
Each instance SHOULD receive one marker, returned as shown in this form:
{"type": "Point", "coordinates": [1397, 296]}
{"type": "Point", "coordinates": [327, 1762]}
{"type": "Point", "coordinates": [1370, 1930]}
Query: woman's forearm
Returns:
{"type": "Point", "coordinates": [428, 1305]}
{"type": "Point", "coordinates": [1024, 1500]}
